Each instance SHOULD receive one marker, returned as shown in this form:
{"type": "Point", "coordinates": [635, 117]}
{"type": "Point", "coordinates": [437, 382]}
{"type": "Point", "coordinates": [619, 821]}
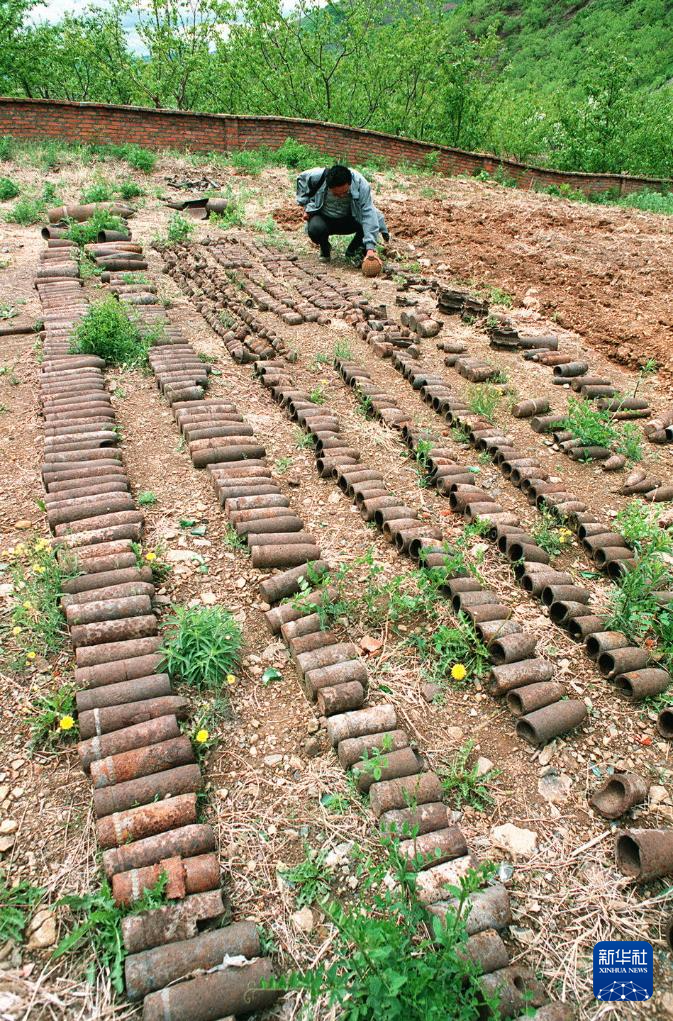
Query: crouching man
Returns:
{"type": "Point", "coordinates": [338, 200]}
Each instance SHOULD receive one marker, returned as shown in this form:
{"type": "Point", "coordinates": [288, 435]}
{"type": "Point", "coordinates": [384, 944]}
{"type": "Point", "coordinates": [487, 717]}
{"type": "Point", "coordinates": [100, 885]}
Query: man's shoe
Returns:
{"type": "Point", "coordinates": [325, 252]}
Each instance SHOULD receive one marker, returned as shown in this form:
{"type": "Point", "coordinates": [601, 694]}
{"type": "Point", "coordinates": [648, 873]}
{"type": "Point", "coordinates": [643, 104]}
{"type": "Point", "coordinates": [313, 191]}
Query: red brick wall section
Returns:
{"type": "Point", "coordinates": [175, 129]}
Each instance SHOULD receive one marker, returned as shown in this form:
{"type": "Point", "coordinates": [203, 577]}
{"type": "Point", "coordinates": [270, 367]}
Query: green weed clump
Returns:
{"type": "Point", "coordinates": [100, 932]}
{"type": "Point", "coordinates": [8, 189]}
{"type": "Point", "coordinates": [107, 330]}
{"type": "Point", "coordinates": [309, 878]}
{"type": "Point", "coordinates": [87, 232]}
{"type": "Point", "coordinates": [26, 212]}
{"type": "Point", "coordinates": [483, 399]}
{"type": "Point", "coordinates": [202, 646]}
{"type": "Point", "coordinates": [52, 718]}
{"type": "Point", "coordinates": [38, 626]}
{"type": "Point", "coordinates": [393, 961]}
{"type": "Point", "coordinates": [549, 535]}
{"type": "Point", "coordinates": [463, 784]}
{"type": "Point", "coordinates": [595, 427]}
{"type": "Point", "coordinates": [99, 191]}
{"type": "Point", "coordinates": [15, 903]}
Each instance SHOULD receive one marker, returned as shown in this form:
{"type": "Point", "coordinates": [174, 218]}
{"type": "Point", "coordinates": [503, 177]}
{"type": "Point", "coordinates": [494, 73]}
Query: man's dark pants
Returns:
{"type": "Point", "coordinates": [321, 228]}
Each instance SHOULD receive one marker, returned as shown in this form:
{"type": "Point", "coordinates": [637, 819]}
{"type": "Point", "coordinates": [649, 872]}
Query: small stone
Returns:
{"type": "Point", "coordinates": [6, 844]}
{"type": "Point", "coordinates": [554, 786]}
{"type": "Point", "coordinates": [177, 556]}
{"type": "Point", "coordinates": [339, 854]}
{"type": "Point", "coordinates": [430, 692]}
{"type": "Point", "coordinates": [454, 733]}
{"type": "Point", "coordinates": [42, 930]}
{"type": "Point", "coordinates": [514, 839]}
{"type": "Point", "coordinates": [370, 644]}
{"type": "Point", "coordinates": [241, 583]}
{"type": "Point", "coordinates": [272, 760]}
{"type": "Point", "coordinates": [8, 826]}
{"type": "Point", "coordinates": [657, 795]}
{"type": "Point", "coordinates": [208, 598]}
{"type": "Point", "coordinates": [484, 765]}
{"type": "Point", "coordinates": [312, 747]}
{"type": "Point", "coordinates": [334, 497]}
{"type": "Point", "coordinates": [303, 920]}
{"type": "Point", "coordinates": [547, 754]}
{"type": "Point", "coordinates": [23, 524]}
{"type": "Point", "coordinates": [4, 791]}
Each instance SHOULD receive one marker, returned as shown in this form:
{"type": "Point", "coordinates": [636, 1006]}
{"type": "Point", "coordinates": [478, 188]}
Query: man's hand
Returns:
{"type": "Point", "coordinates": [373, 254]}
{"type": "Point", "coordinates": [306, 216]}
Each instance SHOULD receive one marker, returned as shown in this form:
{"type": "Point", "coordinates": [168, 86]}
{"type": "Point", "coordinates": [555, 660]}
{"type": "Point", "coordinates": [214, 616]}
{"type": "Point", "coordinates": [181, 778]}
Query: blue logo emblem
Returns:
{"type": "Point", "coordinates": [623, 970]}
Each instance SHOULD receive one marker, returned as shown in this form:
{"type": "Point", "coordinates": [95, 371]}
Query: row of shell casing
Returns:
{"type": "Point", "coordinates": [142, 768]}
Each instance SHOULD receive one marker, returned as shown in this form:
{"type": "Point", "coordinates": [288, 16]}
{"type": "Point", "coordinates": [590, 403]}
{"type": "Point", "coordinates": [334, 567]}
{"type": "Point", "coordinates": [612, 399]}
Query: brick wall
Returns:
{"type": "Point", "coordinates": [160, 129]}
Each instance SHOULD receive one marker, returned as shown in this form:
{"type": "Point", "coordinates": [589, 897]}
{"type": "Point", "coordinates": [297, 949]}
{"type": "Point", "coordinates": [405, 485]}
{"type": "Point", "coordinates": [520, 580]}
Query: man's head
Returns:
{"type": "Point", "coordinates": [338, 180]}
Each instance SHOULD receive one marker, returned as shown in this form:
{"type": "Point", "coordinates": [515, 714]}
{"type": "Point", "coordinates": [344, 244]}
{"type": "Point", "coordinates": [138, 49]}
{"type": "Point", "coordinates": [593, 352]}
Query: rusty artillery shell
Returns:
{"type": "Point", "coordinates": [304, 626]}
{"type": "Point", "coordinates": [85, 507]}
{"type": "Point", "coordinates": [314, 639]}
{"type": "Point", "coordinates": [250, 502]}
{"type": "Point", "coordinates": [618, 794]}
{"type": "Point", "coordinates": [340, 652]}
{"type": "Point", "coordinates": [541, 726]}
{"type": "Point", "coordinates": [487, 950]}
{"type": "Point", "coordinates": [185, 876]}
{"type": "Point", "coordinates": [185, 842]}
{"type": "Point", "coordinates": [284, 614]}
{"type": "Point", "coordinates": [526, 409]}
{"type": "Point", "coordinates": [115, 672]}
{"type": "Point", "coordinates": [580, 627]}
{"type": "Point", "coordinates": [565, 593]}
{"type": "Point", "coordinates": [114, 651]}
{"type": "Point", "coordinates": [478, 597]}
{"type": "Point", "coordinates": [604, 641]}
{"type": "Point", "coordinates": [172, 923]}
{"type": "Point", "coordinates": [86, 583]}
{"type": "Point", "coordinates": [637, 684]}
{"type": "Point", "coordinates": [170, 782]}
{"type": "Point", "coordinates": [103, 610]}
{"type": "Point", "coordinates": [512, 648]}
{"type": "Point", "coordinates": [645, 854]}
{"type": "Point", "coordinates": [418, 789]}
{"type": "Point", "coordinates": [665, 723]}
{"type": "Point", "coordinates": [518, 674]}
{"type": "Point", "coordinates": [622, 661]}
{"type": "Point", "coordinates": [283, 556]}
{"type": "Point", "coordinates": [435, 847]}
{"type": "Point", "coordinates": [364, 722]}
{"type": "Point", "coordinates": [521, 701]}
{"type": "Point", "coordinates": [340, 698]}
{"type": "Point", "coordinates": [95, 722]}
{"type": "Point", "coordinates": [122, 692]}
{"type": "Point", "coordinates": [213, 455]}
{"type": "Point", "coordinates": [491, 630]}
{"type": "Point", "coordinates": [152, 732]}
{"type": "Point", "coordinates": [409, 822]}
{"type": "Point", "coordinates": [111, 594]}
{"type": "Point", "coordinates": [389, 766]}
{"type": "Point", "coordinates": [146, 821]}
{"type": "Point", "coordinates": [157, 968]}
{"type": "Point", "coordinates": [139, 762]}
{"type": "Point", "coordinates": [270, 524]}
{"type": "Point", "coordinates": [229, 991]}
{"type": "Point", "coordinates": [289, 582]}
{"type": "Point", "coordinates": [515, 989]}
{"type": "Point", "coordinates": [488, 612]}
{"type": "Point", "coordinates": [486, 909]}
{"type": "Point", "coordinates": [432, 884]}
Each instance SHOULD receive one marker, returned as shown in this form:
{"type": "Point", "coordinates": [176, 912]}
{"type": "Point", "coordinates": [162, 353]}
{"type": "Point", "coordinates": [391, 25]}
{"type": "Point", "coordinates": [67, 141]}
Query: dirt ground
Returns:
{"type": "Point", "coordinates": [563, 268]}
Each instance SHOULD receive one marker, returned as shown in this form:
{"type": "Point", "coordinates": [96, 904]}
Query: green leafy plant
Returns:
{"type": "Point", "coordinates": [109, 331]}
{"type": "Point", "coordinates": [309, 878]}
{"type": "Point", "coordinates": [130, 190]}
{"type": "Point", "coordinates": [26, 212]}
{"type": "Point", "coordinates": [342, 351]}
{"type": "Point", "coordinates": [282, 465]}
{"type": "Point", "coordinates": [202, 645]}
{"type": "Point", "coordinates": [303, 441]}
{"type": "Point", "coordinates": [179, 229]}
{"type": "Point", "coordinates": [100, 932]}
{"type": "Point", "coordinates": [38, 624]}
{"type": "Point", "coordinates": [99, 191]}
{"type": "Point", "coordinates": [154, 559]}
{"type": "Point", "coordinates": [452, 652]}
{"type": "Point", "coordinates": [392, 960]}
{"type": "Point", "coordinates": [235, 541]}
{"type": "Point", "coordinates": [483, 399]}
{"type": "Point", "coordinates": [317, 394]}
{"type": "Point", "coordinates": [87, 232]}
{"type": "Point", "coordinates": [52, 718]}
{"type": "Point", "coordinates": [549, 535]}
{"type": "Point", "coordinates": [8, 189]}
{"type": "Point", "coordinates": [146, 499]}
{"type": "Point", "coordinates": [15, 903]}
{"type": "Point", "coordinates": [463, 784]}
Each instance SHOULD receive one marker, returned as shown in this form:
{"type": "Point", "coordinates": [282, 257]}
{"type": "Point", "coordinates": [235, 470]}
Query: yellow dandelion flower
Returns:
{"type": "Point", "coordinates": [150, 557]}
{"type": "Point", "coordinates": [16, 631]}
{"type": "Point", "coordinates": [230, 679]}
{"type": "Point", "coordinates": [27, 605]}
{"type": "Point", "coordinates": [38, 569]}
{"type": "Point", "coordinates": [66, 723]}
{"type": "Point", "coordinates": [458, 672]}
{"type": "Point", "coordinates": [202, 736]}
{"type": "Point", "coordinates": [30, 656]}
